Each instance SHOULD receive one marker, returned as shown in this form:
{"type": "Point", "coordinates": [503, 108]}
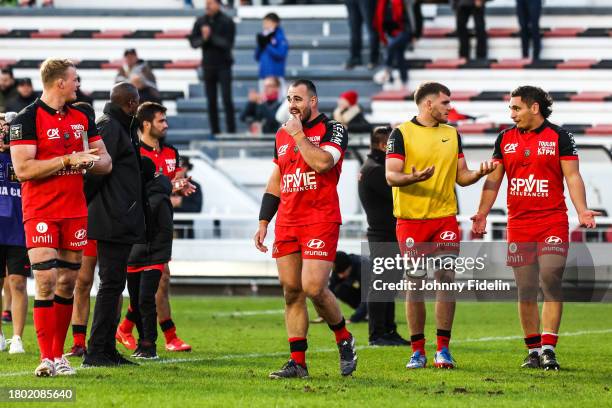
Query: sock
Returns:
{"type": "Point", "coordinates": [298, 347]}
{"type": "Point", "coordinates": [417, 341]}
{"type": "Point", "coordinates": [340, 331]}
{"type": "Point", "coordinates": [534, 343]}
{"type": "Point", "coordinates": [79, 332]}
{"type": "Point", "coordinates": [169, 330]}
{"type": "Point", "coordinates": [44, 322]}
{"type": "Point", "coordinates": [443, 338]}
{"type": "Point", "coordinates": [549, 340]}
{"type": "Point", "coordinates": [126, 325]}
{"type": "Point", "coordinates": [63, 315]}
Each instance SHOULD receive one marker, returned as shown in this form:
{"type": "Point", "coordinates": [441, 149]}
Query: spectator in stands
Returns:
{"type": "Point", "coordinates": [463, 10]}
{"type": "Point", "coordinates": [393, 18]}
{"type": "Point", "coordinates": [132, 65]}
{"type": "Point", "coordinates": [8, 90]}
{"type": "Point", "coordinates": [146, 92]}
{"type": "Point", "coordinates": [187, 204]}
{"type": "Point", "coordinates": [345, 283]}
{"type": "Point", "coordinates": [528, 12]}
{"type": "Point", "coordinates": [214, 32]}
{"type": "Point", "coordinates": [271, 51]}
{"type": "Point", "coordinates": [32, 3]}
{"type": "Point", "coordinates": [349, 113]}
{"type": "Point", "coordinates": [360, 13]}
{"type": "Point", "coordinates": [25, 96]}
{"type": "Point", "coordinates": [260, 111]}
{"type": "Point", "coordinates": [83, 96]}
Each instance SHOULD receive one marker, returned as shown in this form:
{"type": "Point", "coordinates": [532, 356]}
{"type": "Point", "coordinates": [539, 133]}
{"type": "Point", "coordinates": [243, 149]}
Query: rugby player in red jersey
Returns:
{"type": "Point", "coordinates": [153, 127]}
{"type": "Point", "coordinates": [308, 155]}
{"type": "Point", "coordinates": [536, 156]}
{"type": "Point", "coordinates": [48, 155]}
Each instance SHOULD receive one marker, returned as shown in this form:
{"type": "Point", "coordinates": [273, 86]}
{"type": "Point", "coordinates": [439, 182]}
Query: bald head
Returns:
{"type": "Point", "coordinates": [125, 95]}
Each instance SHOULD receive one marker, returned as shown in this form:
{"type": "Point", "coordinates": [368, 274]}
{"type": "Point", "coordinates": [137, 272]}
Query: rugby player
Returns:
{"type": "Point", "coordinates": [536, 156]}
{"type": "Point", "coordinates": [153, 128]}
{"type": "Point", "coordinates": [424, 161]}
{"type": "Point", "coordinates": [49, 158]}
{"type": "Point", "coordinates": [308, 155]}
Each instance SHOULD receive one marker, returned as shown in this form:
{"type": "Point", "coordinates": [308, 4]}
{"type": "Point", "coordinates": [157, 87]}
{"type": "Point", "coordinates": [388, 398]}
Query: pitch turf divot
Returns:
{"type": "Point", "coordinates": [327, 350]}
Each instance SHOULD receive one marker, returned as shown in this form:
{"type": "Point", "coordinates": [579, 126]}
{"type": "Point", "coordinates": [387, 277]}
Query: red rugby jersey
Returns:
{"type": "Point", "coordinates": [308, 197]}
{"type": "Point", "coordinates": [166, 159]}
{"type": "Point", "coordinates": [532, 162]}
{"type": "Point", "coordinates": [54, 133]}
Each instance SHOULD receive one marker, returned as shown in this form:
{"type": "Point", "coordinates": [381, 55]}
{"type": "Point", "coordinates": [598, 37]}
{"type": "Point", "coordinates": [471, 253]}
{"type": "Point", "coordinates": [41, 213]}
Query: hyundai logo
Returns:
{"type": "Point", "coordinates": [80, 234]}
{"type": "Point", "coordinates": [315, 244]}
{"type": "Point", "coordinates": [553, 240]}
{"type": "Point", "coordinates": [448, 236]}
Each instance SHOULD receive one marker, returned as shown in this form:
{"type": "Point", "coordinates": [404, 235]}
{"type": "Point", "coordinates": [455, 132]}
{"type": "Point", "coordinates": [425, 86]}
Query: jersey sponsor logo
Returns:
{"type": "Point", "coordinates": [53, 134]}
{"type": "Point", "coordinates": [42, 227]}
{"type": "Point", "coordinates": [546, 148]}
{"type": "Point", "coordinates": [573, 144]}
{"type": "Point", "coordinates": [510, 148]}
{"type": "Point", "coordinates": [16, 132]}
{"type": "Point", "coordinates": [10, 191]}
{"type": "Point", "coordinates": [79, 130]}
{"type": "Point", "coordinates": [409, 242]}
{"type": "Point", "coordinates": [337, 134]}
{"type": "Point", "coordinates": [553, 240]}
{"type": "Point", "coordinates": [315, 140]}
{"type": "Point", "coordinates": [282, 150]}
{"type": "Point", "coordinates": [42, 239]}
{"type": "Point", "coordinates": [299, 181]}
{"type": "Point", "coordinates": [80, 234]}
{"type": "Point", "coordinates": [390, 145]}
{"type": "Point", "coordinates": [171, 165]}
{"type": "Point", "coordinates": [529, 187]}
{"type": "Point", "coordinates": [315, 243]}
{"type": "Point", "coordinates": [448, 236]}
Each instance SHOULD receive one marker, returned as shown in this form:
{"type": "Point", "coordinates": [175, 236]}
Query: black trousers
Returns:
{"type": "Point", "coordinates": [214, 77]}
{"type": "Point", "coordinates": [361, 12]}
{"type": "Point", "coordinates": [142, 287]}
{"type": "Point", "coordinates": [463, 15]}
{"type": "Point", "coordinates": [381, 315]}
{"type": "Point", "coordinates": [112, 261]}
{"type": "Point", "coordinates": [528, 13]}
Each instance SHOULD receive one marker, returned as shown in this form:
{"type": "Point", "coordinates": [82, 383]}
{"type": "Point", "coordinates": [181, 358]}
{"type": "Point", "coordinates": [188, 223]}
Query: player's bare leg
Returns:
{"type": "Point", "coordinates": [526, 278]}
{"type": "Point", "coordinates": [415, 317]}
{"type": "Point", "coordinates": [19, 304]}
{"type": "Point", "coordinates": [445, 314]}
{"type": "Point", "coordinates": [82, 297]}
{"type": "Point", "coordinates": [315, 280]}
{"type": "Point", "coordinates": [164, 314]}
{"type": "Point", "coordinates": [2, 339]}
{"type": "Point", "coordinates": [551, 277]}
{"type": "Point", "coordinates": [6, 300]}
{"type": "Point", "coordinates": [44, 268]}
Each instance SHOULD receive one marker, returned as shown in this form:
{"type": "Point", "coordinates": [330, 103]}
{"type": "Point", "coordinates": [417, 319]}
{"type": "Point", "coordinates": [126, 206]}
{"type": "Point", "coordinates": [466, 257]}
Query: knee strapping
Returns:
{"type": "Point", "coordinates": [74, 266]}
{"type": "Point", "coordinates": [46, 265]}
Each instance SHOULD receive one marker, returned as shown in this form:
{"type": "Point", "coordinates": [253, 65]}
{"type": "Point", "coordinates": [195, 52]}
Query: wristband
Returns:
{"type": "Point", "coordinates": [269, 206]}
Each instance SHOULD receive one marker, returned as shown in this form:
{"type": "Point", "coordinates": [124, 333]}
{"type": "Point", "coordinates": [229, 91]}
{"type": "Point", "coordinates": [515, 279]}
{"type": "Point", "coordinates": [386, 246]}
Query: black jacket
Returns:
{"type": "Point", "coordinates": [17, 103]}
{"type": "Point", "coordinates": [116, 201]}
{"type": "Point", "coordinates": [157, 249]}
{"type": "Point", "coordinates": [348, 290]}
{"type": "Point", "coordinates": [217, 50]}
{"type": "Point", "coordinates": [376, 197]}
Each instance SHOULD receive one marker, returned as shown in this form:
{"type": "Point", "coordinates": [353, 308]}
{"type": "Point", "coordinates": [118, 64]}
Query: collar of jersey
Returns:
{"type": "Point", "coordinates": [538, 130]}
{"type": "Point", "coordinates": [315, 121]}
{"type": "Point", "coordinates": [151, 148]}
{"type": "Point", "coordinates": [416, 122]}
{"type": "Point", "coordinates": [47, 108]}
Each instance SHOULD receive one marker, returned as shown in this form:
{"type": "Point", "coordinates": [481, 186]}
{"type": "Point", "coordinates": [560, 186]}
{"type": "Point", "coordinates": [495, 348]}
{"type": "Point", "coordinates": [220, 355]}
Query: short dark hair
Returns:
{"type": "Point", "coordinates": [147, 111]}
{"type": "Point", "coordinates": [533, 94]}
{"type": "Point", "coordinates": [272, 17]}
{"type": "Point", "coordinates": [23, 81]}
{"type": "Point", "coordinates": [7, 71]}
{"type": "Point", "coordinates": [430, 88]}
{"type": "Point", "coordinates": [379, 134]}
{"type": "Point", "coordinates": [341, 262]}
{"type": "Point", "coordinates": [129, 51]}
{"type": "Point", "coordinates": [312, 89]}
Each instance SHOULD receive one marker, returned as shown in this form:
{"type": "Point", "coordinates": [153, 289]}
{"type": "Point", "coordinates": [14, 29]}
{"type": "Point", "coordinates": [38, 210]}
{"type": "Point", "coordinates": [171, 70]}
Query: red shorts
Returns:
{"type": "Point", "coordinates": [525, 245]}
{"type": "Point", "coordinates": [424, 237]}
{"type": "Point", "coordinates": [59, 233]}
{"type": "Point", "coordinates": [136, 269]}
{"type": "Point", "coordinates": [314, 241]}
{"type": "Point", "coordinates": [91, 249]}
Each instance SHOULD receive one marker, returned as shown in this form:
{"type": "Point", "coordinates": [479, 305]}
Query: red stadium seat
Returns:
{"type": "Point", "coordinates": [474, 128]}
{"type": "Point", "coordinates": [577, 64]}
{"type": "Point", "coordinates": [564, 32]}
{"type": "Point", "coordinates": [599, 130]}
{"type": "Point", "coordinates": [464, 95]}
{"type": "Point", "coordinates": [590, 96]}
{"type": "Point", "coordinates": [446, 63]}
{"type": "Point", "coordinates": [6, 62]}
{"type": "Point", "coordinates": [501, 32]}
{"type": "Point", "coordinates": [577, 235]}
{"type": "Point", "coordinates": [173, 34]}
{"type": "Point", "coordinates": [437, 32]}
{"type": "Point", "coordinates": [114, 64]}
{"type": "Point", "coordinates": [183, 64]}
{"type": "Point", "coordinates": [49, 34]}
{"type": "Point", "coordinates": [112, 34]}
{"type": "Point", "coordinates": [392, 95]}
{"type": "Point", "coordinates": [511, 63]}
{"type": "Point", "coordinates": [608, 234]}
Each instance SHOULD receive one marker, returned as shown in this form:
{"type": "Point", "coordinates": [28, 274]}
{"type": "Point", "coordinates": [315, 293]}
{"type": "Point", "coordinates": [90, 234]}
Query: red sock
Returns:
{"type": "Point", "coordinates": [63, 315]}
{"type": "Point", "coordinates": [443, 338]}
{"type": "Point", "coordinates": [340, 331]}
{"type": "Point", "coordinates": [79, 332]}
{"type": "Point", "coordinates": [126, 325]}
{"type": "Point", "coordinates": [533, 342]}
{"type": "Point", "coordinates": [549, 340]}
{"type": "Point", "coordinates": [298, 346]}
{"type": "Point", "coordinates": [44, 322]}
{"type": "Point", "coordinates": [169, 330]}
{"type": "Point", "coordinates": [417, 342]}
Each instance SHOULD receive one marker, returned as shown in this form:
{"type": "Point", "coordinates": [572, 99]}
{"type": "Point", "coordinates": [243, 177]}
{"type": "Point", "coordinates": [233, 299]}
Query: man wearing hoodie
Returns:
{"type": "Point", "coordinates": [271, 51]}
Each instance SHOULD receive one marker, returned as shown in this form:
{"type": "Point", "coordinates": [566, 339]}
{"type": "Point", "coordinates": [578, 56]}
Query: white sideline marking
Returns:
{"type": "Point", "coordinates": [250, 313]}
{"type": "Point", "coordinates": [327, 350]}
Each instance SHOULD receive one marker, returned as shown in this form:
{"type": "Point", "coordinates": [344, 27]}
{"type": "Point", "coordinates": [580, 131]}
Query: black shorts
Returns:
{"type": "Point", "coordinates": [14, 260]}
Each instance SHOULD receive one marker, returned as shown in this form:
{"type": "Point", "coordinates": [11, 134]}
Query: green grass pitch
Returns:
{"type": "Point", "coordinates": [233, 354]}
